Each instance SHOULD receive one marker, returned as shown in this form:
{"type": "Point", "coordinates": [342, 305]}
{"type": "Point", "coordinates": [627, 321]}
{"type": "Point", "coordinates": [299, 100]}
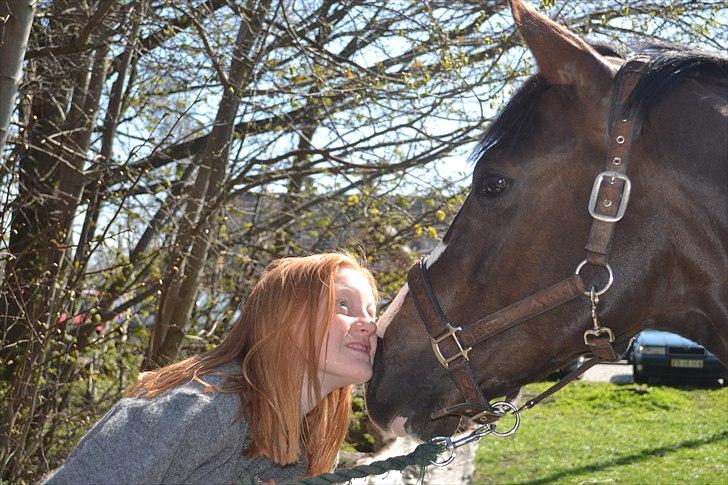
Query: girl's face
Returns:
{"type": "Point", "coordinates": [348, 349]}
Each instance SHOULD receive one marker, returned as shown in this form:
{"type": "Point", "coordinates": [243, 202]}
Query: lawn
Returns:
{"type": "Point", "coordinates": [608, 433]}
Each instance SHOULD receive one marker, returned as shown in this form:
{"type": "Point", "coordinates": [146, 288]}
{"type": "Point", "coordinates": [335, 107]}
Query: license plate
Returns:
{"type": "Point", "coordinates": [695, 364]}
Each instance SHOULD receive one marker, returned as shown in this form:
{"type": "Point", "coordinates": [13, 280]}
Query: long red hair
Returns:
{"type": "Point", "coordinates": [283, 309]}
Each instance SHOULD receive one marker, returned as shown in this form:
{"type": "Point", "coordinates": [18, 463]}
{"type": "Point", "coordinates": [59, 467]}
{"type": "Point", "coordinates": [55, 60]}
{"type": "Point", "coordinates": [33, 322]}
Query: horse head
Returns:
{"type": "Point", "coordinates": [524, 225]}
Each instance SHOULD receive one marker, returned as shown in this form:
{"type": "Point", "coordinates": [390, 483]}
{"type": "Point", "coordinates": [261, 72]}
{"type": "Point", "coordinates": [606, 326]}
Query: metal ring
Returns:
{"type": "Point", "coordinates": [447, 442]}
{"type": "Point", "coordinates": [609, 282]}
{"type": "Point", "coordinates": [620, 139]}
{"type": "Point", "coordinates": [498, 406]}
{"type": "Point", "coordinates": [617, 160]}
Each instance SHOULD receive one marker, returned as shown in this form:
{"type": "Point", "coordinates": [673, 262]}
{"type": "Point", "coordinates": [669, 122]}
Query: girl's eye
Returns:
{"type": "Point", "coordinates": [342, 303]}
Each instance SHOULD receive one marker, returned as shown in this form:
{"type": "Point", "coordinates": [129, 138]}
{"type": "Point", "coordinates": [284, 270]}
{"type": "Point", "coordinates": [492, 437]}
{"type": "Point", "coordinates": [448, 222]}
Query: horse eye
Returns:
{"type": "Point", "coordinates": [493, 185]}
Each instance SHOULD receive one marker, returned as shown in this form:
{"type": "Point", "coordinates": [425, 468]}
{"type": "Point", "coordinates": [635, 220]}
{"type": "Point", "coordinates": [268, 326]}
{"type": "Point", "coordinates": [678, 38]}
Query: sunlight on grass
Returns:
{"type": "Point", "coordinates": [607, 433]}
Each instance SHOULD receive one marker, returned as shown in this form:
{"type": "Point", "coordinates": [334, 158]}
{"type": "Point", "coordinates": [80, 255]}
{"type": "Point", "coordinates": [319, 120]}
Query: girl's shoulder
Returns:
{"type": "Point", "coordinates": [187, 434]}
{"type": "Point", "coordinates": [209, 398]}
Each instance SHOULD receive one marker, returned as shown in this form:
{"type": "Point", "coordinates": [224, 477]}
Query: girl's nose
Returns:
{"type": "Point", "coordinates": [366, 325]}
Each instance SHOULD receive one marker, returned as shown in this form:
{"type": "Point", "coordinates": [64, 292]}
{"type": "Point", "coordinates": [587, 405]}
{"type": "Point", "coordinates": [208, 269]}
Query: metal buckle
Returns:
{"type": "Point", "coordinates": [450, 332]}
{"type": "Point", "coordinates": [595, 195]}
{"type": "Point", "coordinates": [482, 417]}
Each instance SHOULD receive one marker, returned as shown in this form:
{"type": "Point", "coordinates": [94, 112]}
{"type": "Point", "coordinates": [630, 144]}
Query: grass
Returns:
{"type": "Point", "coordinates": [608, 433]}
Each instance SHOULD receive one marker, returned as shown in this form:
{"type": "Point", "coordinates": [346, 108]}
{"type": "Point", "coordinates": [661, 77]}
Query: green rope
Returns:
{"type": "Point", "coordinates": [422, 455]}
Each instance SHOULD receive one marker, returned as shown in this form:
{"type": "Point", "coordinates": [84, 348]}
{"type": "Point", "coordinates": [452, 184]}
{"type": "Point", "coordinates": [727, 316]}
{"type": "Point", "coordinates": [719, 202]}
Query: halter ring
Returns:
{"type": "Point", "coordinates": [609, 281]}
{"type": "Point", "coordinates": [514, 410]}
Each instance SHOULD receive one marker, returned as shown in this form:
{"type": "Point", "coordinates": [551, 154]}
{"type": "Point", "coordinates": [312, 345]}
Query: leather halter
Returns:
{"type": "Point", "coordinates": [452, 344]}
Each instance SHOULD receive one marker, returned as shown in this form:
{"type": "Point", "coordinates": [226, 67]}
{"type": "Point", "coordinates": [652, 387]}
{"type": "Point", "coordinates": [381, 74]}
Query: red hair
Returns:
{"type": "Point", "coordinates": [283, 309]}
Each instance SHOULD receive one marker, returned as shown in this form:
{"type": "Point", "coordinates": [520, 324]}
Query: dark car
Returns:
{"type": "Point", "coordinates": [663, 354]}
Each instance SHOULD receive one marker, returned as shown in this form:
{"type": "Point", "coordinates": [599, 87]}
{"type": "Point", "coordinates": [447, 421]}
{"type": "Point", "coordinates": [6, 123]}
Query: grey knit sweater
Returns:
{"type": "Point", "coordinates": [182, 436]}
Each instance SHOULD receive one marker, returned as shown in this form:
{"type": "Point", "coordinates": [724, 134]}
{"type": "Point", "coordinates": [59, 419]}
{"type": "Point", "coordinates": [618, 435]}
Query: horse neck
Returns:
{"type": "Point", "coordinates": [688, 129]}
{"type": "Point", "coordinates": [682, 171]}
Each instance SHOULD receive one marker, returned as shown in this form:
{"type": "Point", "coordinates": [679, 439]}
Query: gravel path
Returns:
{"type": "Point", "coordinates": [620, 373]}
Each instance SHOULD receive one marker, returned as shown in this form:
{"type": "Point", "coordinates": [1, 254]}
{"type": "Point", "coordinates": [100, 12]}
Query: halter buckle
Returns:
{"type": "Point", "coordinates": [482, 417]}
{"type": "Point", "coordinates": [594, 198]}
{"type": "Point", "coordinates": [450, 332]}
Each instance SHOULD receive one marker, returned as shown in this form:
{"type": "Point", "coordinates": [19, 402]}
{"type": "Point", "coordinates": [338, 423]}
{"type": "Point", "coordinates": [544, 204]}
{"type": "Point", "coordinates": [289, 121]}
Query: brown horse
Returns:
{"type": "Point", "coordinates": [524, 224]}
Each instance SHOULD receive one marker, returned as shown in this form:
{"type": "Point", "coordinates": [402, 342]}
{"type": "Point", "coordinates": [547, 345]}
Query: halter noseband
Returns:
{"type": "Point", "coordinates": [452, 344]}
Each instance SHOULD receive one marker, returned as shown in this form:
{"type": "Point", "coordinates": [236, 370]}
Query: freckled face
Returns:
{"type": "Point", "coordinates": [349, 347]}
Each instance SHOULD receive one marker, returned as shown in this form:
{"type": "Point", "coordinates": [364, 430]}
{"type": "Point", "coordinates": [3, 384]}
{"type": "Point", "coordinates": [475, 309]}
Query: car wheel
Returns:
{"type": "Point", "coordinates": [639, 376]}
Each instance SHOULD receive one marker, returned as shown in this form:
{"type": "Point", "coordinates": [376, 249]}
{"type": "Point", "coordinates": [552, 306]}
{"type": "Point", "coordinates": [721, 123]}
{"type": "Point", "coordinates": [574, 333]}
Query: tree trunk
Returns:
{"type": "Point", "coordinates": [16, 19]}
{"type": "Point", "coordinates": [185, 266]}
{"type": "Point", "coordinates": [111, 121]}
{"type": "Point", "coordinates": [48, 191]}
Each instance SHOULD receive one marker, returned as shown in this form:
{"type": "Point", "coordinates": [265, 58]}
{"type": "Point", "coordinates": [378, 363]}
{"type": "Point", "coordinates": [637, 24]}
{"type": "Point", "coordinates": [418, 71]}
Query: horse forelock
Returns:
{"type": "Point", "coordinates": [516, 118]}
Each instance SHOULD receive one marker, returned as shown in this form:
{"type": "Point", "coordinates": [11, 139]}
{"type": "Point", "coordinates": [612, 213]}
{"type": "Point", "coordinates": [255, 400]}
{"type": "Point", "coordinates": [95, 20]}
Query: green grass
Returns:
{"type": "Point", "coordinates": [607, 433]}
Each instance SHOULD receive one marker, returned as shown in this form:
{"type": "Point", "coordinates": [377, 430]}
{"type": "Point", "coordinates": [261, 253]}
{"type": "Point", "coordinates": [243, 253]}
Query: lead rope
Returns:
{"type": "Point", "coordinates": [422, 456]}
{"type": "Point", "coordinates": [427, 453]}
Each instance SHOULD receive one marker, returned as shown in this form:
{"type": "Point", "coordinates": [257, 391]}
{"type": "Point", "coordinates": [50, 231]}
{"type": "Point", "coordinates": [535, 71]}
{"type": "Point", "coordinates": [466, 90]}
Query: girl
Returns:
{"type": "Point", "coordinates": [271, 402]}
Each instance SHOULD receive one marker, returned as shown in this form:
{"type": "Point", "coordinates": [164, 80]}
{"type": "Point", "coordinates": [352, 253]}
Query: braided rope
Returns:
{"type": "Point", "coordinates": [421, 456]}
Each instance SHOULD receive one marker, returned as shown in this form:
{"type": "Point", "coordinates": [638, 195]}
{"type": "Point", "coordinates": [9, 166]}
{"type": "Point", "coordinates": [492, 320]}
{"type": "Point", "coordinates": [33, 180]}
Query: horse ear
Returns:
{"type": "Point", "coordinates": [563, 57]}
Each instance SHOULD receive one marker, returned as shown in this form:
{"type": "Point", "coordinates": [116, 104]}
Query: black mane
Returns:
{"type": "Point", "coordinates": [668, 65]}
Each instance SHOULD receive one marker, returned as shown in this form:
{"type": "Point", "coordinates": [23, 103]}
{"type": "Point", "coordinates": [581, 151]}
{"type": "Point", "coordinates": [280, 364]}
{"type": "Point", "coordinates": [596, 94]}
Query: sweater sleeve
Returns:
{"type": "Point", "coordinates": [137, 440]}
